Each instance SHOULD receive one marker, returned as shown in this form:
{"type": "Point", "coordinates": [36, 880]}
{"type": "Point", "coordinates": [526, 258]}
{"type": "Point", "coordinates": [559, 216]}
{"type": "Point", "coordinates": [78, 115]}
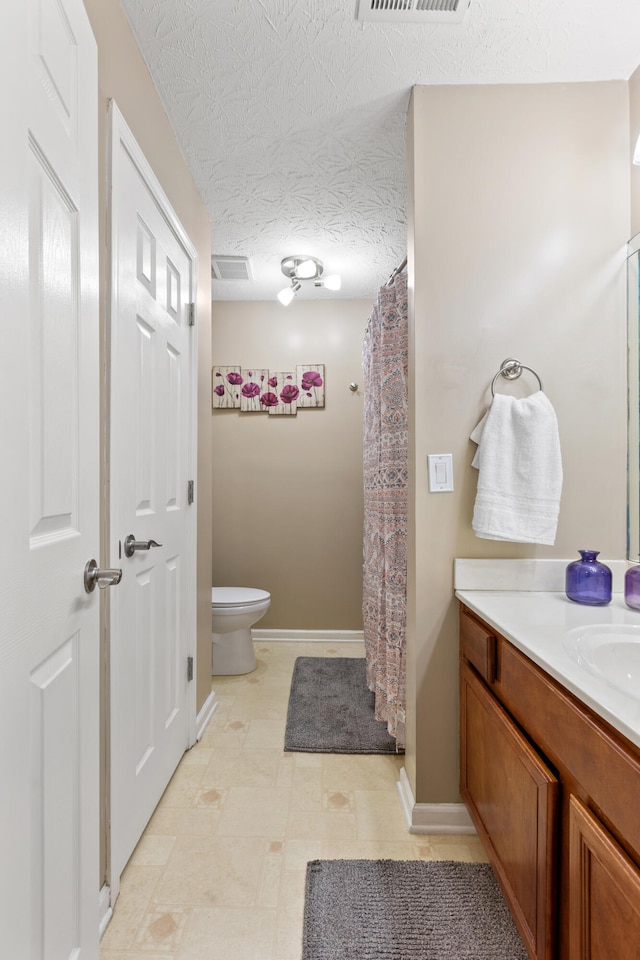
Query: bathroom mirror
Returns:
{"type": "Point", "coordinates": [633, 353]}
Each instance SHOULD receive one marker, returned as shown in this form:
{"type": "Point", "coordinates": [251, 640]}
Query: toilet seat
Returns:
{"type": "Point", "coordinates": [222, 597]}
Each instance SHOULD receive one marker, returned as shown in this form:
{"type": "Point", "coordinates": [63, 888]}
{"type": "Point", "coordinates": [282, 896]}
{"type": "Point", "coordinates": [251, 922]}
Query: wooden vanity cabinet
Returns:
{"type": "Point", "coordinates": [604, 891]}
{"type": "Point", "coordinates": [513, 800]}
{"type": "Point", "coordinates": [554, 793]}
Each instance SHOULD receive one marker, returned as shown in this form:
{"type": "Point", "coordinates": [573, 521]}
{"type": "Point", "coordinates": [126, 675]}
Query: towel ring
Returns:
{"type": "Point", "coordinates": [511, 369]}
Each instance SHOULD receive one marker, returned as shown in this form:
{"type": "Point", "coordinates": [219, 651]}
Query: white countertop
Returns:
{"type": "Point", "coordinates": [539, 624]}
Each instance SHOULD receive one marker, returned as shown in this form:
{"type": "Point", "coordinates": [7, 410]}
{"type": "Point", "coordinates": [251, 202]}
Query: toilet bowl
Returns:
{"type": "Point", "coordinates": [234, 610]}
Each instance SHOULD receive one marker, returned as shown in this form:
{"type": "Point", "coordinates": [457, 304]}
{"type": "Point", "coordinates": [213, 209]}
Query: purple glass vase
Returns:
{"type": "Point", "coordinates": [588, 580]}
{"type": "Point", "coordinates": [632, 588]}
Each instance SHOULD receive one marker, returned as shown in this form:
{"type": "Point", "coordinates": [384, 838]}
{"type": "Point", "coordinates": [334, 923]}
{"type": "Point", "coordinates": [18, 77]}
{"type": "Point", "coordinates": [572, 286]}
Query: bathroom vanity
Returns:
{"type": "Point", "coordinates": [550, 767]}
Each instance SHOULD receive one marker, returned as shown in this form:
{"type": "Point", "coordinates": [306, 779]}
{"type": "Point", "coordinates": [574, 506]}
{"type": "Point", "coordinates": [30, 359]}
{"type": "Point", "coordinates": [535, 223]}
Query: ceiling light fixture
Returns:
{"type": "Point", "coordinates": [286, 296]}
{"type": "Point", "coordinates": [305, 268]}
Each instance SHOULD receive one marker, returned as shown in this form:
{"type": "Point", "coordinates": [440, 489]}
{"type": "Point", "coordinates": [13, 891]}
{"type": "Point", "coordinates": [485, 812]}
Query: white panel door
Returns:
{"type": "Point", "coordinates": [151, 455]}
{"type": "Point", "coordinates": [49, 483]}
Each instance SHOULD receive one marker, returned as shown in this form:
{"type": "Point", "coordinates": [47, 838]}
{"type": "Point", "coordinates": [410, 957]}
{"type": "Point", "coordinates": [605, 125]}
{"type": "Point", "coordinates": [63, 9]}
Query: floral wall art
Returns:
{"type": "Point", "coordinates": [256, 390]}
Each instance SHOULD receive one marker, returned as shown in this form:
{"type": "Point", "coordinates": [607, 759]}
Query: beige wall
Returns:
{"type": "Point", "coordinates": [634, 127]}
{"type": "Point", "coordinates": [123, 76]}
{"type": "Point", "coordinates": [519, 217]}
{"type": "Point", "coordinates": [287, 491]}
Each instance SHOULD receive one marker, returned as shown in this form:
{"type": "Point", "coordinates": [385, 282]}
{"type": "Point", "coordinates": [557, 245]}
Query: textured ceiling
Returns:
{"type": "Point", "coordinates": [291, 113]}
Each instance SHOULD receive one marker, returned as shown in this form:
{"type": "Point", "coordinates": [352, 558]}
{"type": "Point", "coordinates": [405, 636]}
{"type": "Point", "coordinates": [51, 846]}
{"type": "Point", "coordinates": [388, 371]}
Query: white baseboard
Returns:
{"type": "Point", "coordinates": [208, 709]}
{"type": "Point", "coordinates": [104, 910]}
{"type": "Point", "coordinates": [323, 636]}
{"type": "Point", "coordinates": [441, 818]}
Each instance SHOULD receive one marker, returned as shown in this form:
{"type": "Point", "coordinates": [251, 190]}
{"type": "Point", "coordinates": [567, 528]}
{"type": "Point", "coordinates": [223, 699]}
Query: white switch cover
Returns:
{"type": "Point", "coordinates": [440, 472]}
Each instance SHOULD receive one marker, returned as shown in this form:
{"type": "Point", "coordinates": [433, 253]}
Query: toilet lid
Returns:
{"type": "Point", "coordinates": [233, 596]}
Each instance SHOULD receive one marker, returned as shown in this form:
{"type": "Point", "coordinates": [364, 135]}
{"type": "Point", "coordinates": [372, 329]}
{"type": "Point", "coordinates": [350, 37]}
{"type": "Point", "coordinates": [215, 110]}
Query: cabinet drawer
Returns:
{"type": "Point", "coordinates": [478, 646]}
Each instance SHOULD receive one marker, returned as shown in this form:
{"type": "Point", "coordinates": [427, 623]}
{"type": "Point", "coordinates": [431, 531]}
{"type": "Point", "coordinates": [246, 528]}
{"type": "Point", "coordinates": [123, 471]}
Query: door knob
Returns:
{"type": "Point", "coordinates": [131, 545]}
{"type": "Point", "coordinates": [95, 576]}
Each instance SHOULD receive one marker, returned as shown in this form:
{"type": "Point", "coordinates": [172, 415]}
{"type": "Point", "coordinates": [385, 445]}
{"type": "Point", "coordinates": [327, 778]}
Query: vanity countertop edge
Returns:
{"type": "Point", "coordinates": [541, 625]}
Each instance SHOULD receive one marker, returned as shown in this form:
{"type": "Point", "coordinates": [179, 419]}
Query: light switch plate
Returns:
{"type": "Point", "coordinates": [440, 472]}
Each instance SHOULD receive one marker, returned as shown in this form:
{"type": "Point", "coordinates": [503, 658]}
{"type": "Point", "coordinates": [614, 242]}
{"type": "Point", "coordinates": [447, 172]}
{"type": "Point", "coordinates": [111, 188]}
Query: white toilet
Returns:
{"type": "Point", "coordinates": [234, 610]}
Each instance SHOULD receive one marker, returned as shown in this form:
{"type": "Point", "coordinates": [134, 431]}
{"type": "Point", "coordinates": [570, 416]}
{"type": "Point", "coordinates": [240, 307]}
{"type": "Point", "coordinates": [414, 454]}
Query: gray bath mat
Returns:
{"type": "Point", "coordinates": [406, 910]}
{"type": "Point", "coordinates": [331, 710]}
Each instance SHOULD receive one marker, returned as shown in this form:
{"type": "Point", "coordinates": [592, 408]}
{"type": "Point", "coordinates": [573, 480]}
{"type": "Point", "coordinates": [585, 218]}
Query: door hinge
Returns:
{"type": "Point", "coordinates": [189, 669]}
{"type": "Point", "coordinates": [192, 315]}
{"type": "Point", "coordinates": [190, 492]}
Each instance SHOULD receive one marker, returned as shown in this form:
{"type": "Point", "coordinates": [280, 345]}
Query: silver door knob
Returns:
{"type": "Point", "coordinates": [94, 576]}
{"type": "Point", "coordinates": [131, 545]}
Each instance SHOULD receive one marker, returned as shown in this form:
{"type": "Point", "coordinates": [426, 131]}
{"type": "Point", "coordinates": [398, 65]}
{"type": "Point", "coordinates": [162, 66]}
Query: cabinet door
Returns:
{"type": "Point", "coordinates": [604, 892]}
{"type": "Point", "coordinates": [513, 799]}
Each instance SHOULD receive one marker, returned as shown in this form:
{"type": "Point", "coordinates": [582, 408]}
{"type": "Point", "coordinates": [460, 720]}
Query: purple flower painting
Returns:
{"type": "Point", "coordinates": [226, 387]}
{"type": "Point", "coordinates": [253, 390]}
{"type": "Point", "coordinates": [286, 392]}
{"type": "Point", "coordinates": [311, 381]}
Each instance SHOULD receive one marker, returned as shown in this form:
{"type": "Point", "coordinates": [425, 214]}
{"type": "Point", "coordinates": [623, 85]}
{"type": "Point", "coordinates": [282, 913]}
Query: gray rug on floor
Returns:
{"type": "Point", "coordinates": [406, 910]}
{"type": "Point", "coordinates": [331, 710]}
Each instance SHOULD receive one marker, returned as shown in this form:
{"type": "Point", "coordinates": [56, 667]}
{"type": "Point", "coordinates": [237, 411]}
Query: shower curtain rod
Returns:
{"type": "Point", "coordinates": [396, 272]}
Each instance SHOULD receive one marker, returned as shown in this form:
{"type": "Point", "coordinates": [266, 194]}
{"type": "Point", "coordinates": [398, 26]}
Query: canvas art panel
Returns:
{"type": "Point", "coordinates": [310, 381]}
{"type": "Point", "coordinates": [226, 383]}
{"type": "Point", "coordinates": [282, 393]}
{"type": "Point", "coordinates": [253, 386]}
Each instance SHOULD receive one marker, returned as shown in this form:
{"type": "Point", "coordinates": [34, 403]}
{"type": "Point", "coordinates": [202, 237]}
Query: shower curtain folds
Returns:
{"type": "Point", "coordinates": [385, 463]}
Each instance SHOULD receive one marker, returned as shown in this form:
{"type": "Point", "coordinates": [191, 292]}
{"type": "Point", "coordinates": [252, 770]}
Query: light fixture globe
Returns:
{"type": "Point", "coordinates": [286, 296]}
{"type": "Point", "coordinates": [302, 268]}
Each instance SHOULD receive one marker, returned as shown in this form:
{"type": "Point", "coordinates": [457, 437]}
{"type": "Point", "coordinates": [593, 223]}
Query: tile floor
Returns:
{"type": "Point", "coordinates": [219, 872]}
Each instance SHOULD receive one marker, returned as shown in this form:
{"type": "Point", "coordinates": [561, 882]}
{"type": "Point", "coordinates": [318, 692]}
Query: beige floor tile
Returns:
{"type": "Point", "coordinates": [153, 850]}
{"type": "Point", "coordinates": [288, 941]}
{"type": "Point", "coordinates": [212, 871]}
{"type": "Point", "coordinates": [198, 755]}
{"type": "Point", "coordinates": [217, 934]}
{"type": "Point", "coordinates": [270, 878]}
{"type": "Point", "coordinates": [286, 769]}
{"type": "Point", "coordinates": [321, 826]}
{"type": "Point", "coordinates": [183, 786]}
{"type": "Point", "coordinates": [163, 928]}
{"type": "Point", "coordinates": [220, 870]}
{"type": "Point", "coordinates": [248, 812]}
{"type": "Point", "coordinates": [244, 768]}
{"type": "Point", "coordinates": [306, 788]}
{"type": "Point", "coordinates": [369, 850]}
{"type": "Point", "coordinates": [136, 890]}
{"type": "Point", "coordinates": [379, 816]}
{"type": "Point", "coordinates": [359, 772]}
{"type": "Point", "coordinates": [265, 733]}
{"type": "Point", "coordinates": [180, 821]}
{"type": "Point", "coordinates": [134, 955]}
{"type": "Point", "coordinates": [465, 847]}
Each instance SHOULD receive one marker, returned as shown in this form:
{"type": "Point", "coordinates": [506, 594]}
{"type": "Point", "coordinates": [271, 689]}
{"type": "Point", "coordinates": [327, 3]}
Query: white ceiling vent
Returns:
{"type": "Point", "coordinates": [412, 11]}
{"type": "Point", "coordinates": [231, 268]}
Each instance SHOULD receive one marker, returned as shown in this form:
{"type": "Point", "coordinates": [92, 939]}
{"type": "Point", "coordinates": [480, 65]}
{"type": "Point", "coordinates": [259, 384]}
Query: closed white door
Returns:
{"type": "Point", "coordinates": [49, 483]}
{"type": "Point", "coordinates": [151, 464]}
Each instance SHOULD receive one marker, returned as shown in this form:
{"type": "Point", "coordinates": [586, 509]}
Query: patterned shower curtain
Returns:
{"type": "Point", "coordinates": [385, 363]}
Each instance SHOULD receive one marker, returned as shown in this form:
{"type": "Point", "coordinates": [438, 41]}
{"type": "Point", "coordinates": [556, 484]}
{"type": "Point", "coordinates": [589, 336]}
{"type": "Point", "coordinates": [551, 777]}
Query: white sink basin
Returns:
{"type": "Point", "coordinates": [609, 651]}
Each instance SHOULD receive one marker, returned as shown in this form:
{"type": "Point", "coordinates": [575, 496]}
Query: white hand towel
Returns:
{"type": "Point", "coordinates": [520, 470]}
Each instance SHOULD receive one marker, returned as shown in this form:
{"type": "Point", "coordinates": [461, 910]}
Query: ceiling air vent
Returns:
{"type": "Point", "coordinates": [412, 11]}
{"type": "Point", "coordinates": [231, 268]}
